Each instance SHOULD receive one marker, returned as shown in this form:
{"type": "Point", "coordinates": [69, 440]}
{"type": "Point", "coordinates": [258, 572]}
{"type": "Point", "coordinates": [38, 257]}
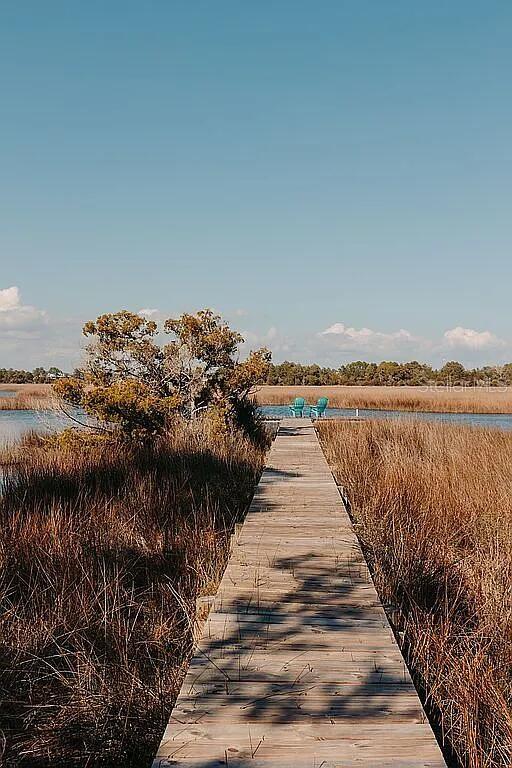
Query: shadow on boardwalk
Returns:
{"type": "Point", "coordinates": [297, 665]}
{"type": "Point", "coordinates": [289, 689]}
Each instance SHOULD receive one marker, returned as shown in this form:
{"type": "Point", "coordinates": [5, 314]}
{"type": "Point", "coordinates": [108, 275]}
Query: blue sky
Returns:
{"type": "Point", "coordinates": [298, 166]}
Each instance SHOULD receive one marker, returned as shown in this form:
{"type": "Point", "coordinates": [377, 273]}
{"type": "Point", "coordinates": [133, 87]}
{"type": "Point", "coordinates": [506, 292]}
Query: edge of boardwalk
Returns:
{"type": "Point", "coordinates": [297, 663]}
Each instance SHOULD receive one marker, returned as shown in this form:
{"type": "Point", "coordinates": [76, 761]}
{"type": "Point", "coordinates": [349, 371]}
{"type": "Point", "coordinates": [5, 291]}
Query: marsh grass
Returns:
{"type": "Point", "coordinates": [433, 508]}
{"type": "Point", "coordinates": [28, 397]}
{"type": "Point", "coordinates": [431, 399]}
{"type": "Point", "coordinates": [103, 551]}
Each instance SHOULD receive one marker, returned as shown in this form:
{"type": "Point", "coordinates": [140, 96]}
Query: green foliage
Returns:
{"type": "Point", "coordinates": [388, 373]}
{"type": "Point", "coordinates": [37, 376]}
{"type": "Point", "coordinates": [131, 405]}
{"type": "Point", "coordinates": [133, 382]}
{"type": "Point", "coordinates": [290, 374]}
{"type": "Point", "coordinates": [507, 373]}
{"type": "Point", "coordinates": [71, 440]}
{"type": "Point", "coordinates": [204, 337]}
{"type": "Point", "coordinates": [453, 372]}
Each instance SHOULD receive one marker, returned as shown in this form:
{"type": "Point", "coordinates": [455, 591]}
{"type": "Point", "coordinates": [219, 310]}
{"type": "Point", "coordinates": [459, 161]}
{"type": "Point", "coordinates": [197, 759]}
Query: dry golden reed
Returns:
{"type": "Point", "coordinates": [27, 397]}
{"type": "Point", "coordinates": [433, 508]}
{"type": "Point", "coordinates": [104, 549]}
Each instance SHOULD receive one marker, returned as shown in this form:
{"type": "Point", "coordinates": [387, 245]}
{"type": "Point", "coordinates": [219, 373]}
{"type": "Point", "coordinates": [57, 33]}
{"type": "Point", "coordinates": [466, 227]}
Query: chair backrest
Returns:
{"type": "Point", "coordinates": [299, 402]}
{"type": "Point", "coordinates": [322, 403]}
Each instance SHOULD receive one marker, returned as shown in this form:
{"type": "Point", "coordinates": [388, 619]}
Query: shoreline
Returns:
{"type": "Point", "coordinates": [478, 401]}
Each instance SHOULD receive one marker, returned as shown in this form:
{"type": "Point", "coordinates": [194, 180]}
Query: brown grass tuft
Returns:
{"type": "Point", "coordinates": [103, 551]}
{"type": "Point", "coordinates": [433, 508]}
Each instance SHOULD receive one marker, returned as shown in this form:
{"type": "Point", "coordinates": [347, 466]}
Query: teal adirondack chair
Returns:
{"type": "Point", "coordinates": [318, 410]}
{"type": "Point", "coordinates": [297, 408]}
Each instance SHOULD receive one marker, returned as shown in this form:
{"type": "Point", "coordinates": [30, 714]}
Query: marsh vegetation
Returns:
{"type": "Point", "coordinates": [26, 397]}
{"type": "Point", "coordinates": [433, 508]}
{"type": "Point", "coordinates": [110, 532]}
{"type": "Point", "coordinates": [104, 548]}
{"type": "Point", "coordinates": [435, 399]}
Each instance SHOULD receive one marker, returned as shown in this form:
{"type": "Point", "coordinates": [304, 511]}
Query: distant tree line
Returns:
{"type": "Point", "coordinates": [37, 376]}
{"type": "Point", "coordinates": [360, 373]}
{"type": "Point", "coordinates": [388, 373]}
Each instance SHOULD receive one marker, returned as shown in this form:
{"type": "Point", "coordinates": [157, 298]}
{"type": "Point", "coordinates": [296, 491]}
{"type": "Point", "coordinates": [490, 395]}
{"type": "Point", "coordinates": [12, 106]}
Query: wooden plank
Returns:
{"type": "Point", "coordinates": [296, 663]}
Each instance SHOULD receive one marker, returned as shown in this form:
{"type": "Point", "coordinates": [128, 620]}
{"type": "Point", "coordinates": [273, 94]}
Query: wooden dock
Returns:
{"type": "Point", "coordinates": [297, 665]}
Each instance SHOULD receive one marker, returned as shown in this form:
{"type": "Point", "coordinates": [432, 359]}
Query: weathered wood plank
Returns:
{"type": "Point", "coordinates": [296, 663]}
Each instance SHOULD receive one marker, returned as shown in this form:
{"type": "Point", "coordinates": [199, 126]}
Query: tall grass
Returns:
{"type": "Point", "coordinates": [103, 552]}
{"type": "Point", "coordinates": [27, 397]}
{"type": "Point", "coordinates": [433, 508]}
{"type": "Point", "coordinates": [432, 399]}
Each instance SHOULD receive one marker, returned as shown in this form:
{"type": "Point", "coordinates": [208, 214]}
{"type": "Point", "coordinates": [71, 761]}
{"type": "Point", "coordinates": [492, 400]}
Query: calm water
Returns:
{"type": "Point", "coordinates": [7, 393]}
{"type": "Point", "coordinates": [14, 424]}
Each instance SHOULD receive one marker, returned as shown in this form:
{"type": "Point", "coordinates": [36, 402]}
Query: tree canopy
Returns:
{"type": "Point", "coordinates": [134, 380]}
{"type": "Point", "coordinates": [388, 373]}
{"type": "Point", "coordinates": [37, 376]}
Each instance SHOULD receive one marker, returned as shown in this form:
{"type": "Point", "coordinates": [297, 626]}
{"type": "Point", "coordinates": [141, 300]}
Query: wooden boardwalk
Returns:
{"type": "Point", "coordinates": [297, 665]}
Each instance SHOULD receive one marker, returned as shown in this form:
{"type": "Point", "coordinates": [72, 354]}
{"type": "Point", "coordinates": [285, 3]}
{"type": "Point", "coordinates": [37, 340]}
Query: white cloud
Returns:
{"type": "Point", "coordinates": [467, 338]}
{"type": "Point", "coordinates": [466, 344]}
{"type": "Point", "coordinates": [16, 317]}
{"type": "Point", "coordinates": [30, 337]}
{"type": "Point", "coordinates": [366, 339]}
{"type": "Point", "coordinates": [9, 298]}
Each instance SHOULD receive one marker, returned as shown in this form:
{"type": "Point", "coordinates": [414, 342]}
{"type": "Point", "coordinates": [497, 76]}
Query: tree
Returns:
{"type": "Point", "coordinates": [353, 373]}
{"type": "Point", "coordinates": [389, 373]}
{"type": "Point", "coordinates": [452, 373]}
{"type": "Point", "coordinates": [54, 373]}
{"type": "Point", "coordinates": [132, 381]}
{"type": "Point", "coordinates": [416, 374]}
{"type": "Point", "coordinates": [507, 373]}
{"type": "Point", "coordinates": [39, 375]}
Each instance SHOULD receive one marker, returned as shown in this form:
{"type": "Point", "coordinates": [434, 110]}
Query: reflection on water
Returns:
{"type": "Point", "coordinates": [14, 424]}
